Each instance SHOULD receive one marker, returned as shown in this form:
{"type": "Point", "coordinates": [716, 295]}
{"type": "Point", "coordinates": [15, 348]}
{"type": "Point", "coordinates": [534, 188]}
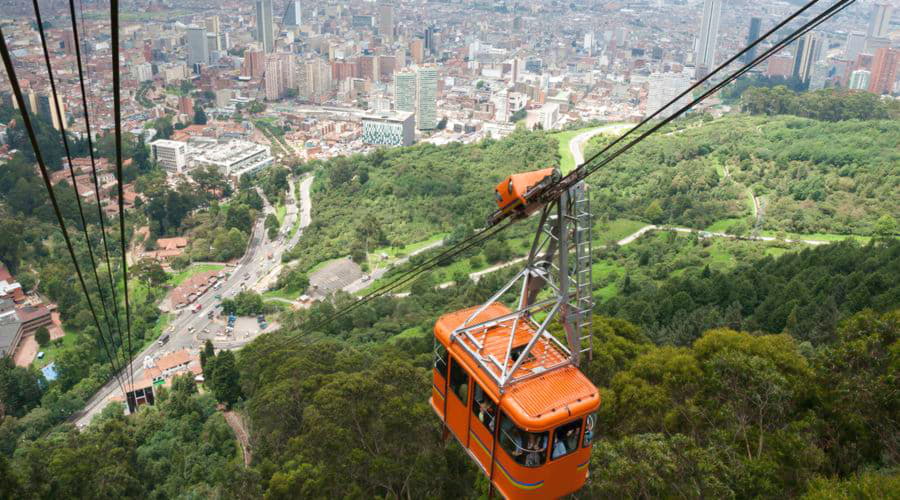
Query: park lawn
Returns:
{"type": "Point", "coordinates": [52, 351]}
{"type": "Point", "coordinates": [719, 256]}
{"type": "Point", "coordinates": [178, 278]}
{"type": "Point", "coordinates": [280, 212]}
{"type": "Point", "coordinates": [723, 225]}
{"type": "Point", "coordinates": [615, 230]}
{"type": "Point", "coordinates": [605, 293]}
{"type": "Point", "coordinates": [394, 253]}
{"type": "Point", "coordinates": [566, 161]}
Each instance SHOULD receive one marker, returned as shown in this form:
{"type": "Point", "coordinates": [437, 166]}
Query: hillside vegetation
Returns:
{"type": "Point", "coordinates": [813, 176]}
{"type": "Point", "coordinates": [400, 196]}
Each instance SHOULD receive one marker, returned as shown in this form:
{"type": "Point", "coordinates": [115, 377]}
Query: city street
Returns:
{"type": "Point", "coordinates": [186, 330]}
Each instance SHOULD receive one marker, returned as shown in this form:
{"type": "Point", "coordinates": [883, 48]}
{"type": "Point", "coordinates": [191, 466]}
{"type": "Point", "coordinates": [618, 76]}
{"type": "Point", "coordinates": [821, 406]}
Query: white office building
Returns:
{"type": "Point", "coordinates": [172, 155]}
{"type": "Point", "coordinates": [198, 46]}
{"type": "Point", "coordinates": [235, 158]}
{"type": "Point", "coordinates": [548, 115]}
{"type": "Point", "coordinates": [394, 129]}
{"type": "Point", "coordinates": [662, 88]}
{"type": "Point", "coordinates": [709, 32]}
{"type": "Point", "coordinates": [426, 98]}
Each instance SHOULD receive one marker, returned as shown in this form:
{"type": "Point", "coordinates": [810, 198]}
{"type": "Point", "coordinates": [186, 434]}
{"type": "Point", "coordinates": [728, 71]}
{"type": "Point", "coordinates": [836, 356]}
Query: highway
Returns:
{"type": "Point", "coordinates": [186, 330]}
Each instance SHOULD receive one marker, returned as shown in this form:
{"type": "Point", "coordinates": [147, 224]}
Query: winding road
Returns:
{"type": "Point", "coordinates": [576, 145]}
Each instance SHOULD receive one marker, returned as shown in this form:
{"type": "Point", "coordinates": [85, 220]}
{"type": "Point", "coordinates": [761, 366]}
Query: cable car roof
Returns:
{"type": "Point", "coordinates": [552, 390]}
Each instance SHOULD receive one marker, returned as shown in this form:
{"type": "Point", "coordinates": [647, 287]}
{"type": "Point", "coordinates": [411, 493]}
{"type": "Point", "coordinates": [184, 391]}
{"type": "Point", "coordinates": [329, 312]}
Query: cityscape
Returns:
{"type": "Point", "coordinates": [262, 224]}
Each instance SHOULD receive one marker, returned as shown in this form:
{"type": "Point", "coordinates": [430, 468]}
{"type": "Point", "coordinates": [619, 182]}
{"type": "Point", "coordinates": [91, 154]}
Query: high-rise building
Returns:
{"type": "Point", "coordinates": [779, 65]}
{"type": "Point", "coordinates": [589, 43]}
{"type": "Point", "coordinates": [198, 46]}
{"type": "Point", "coordinates": [389, 129]}
{"type": "Point", "coordinates": [752, 36]}
{"type": "Point", "coordinates": [431, 40]}
{"type": "Point", "coordinates": [859, 79]}
{"type": "Point", "coordinates": [69, 42]}
{"type": "Point", "coordinates": [809, 51]}
{"type": "Point", "coordinates": [254, 64]}
{"type": "Point", "coordinates": [386, 21]}
{"type": "Point", "coordinates": [426, 98]}
{"type": "Point", "coordinates": [880, 20]}
{"type": "Point", "coordinates": [142, 72]}
{"type": "Point", "coordinates": [884, 71]}
{"type": "Point", "coordinates": [818, 75]}
{"type": "Point", "coordinates": [212, 25]}
{"type": "Point", "coordinates": [417, 50]}
{"type": "Point", "coordinates": [47, 109]}
{"type": "Point", "coordinates": [405, 91]}
{"type": "Point", "coordinates": [264, 25]}
{"type": "Point", "coordinates": [709, 32]}
{"type": "Point", "coordinates": [662, 88]}
{"type": "Point", "coordinates": [856, 43]}
{"type": "Point", "coordinates": [186, 105]}
{"type": "Point", "coordinates": [273, 80]}
{"type": "Point", "coordinates": [292, 15]}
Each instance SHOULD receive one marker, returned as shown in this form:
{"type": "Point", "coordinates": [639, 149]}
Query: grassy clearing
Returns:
{"type": "Point", "coordinates": [54, 349]}
{"type": "Point", "coordinates": [280, 212]}
{"type": "Point", "coordinates": [178, 278]}
{"type": "Point", "coordinates": [282, 294]}
{"type": "Point", "coordinates": [615, 230]}
{"type": "Point", "coordinates": [409, 333]}
{"type": "Point", "coordinates": [394, 253]}
{"type": "Point", "coordinates": [721, 226]}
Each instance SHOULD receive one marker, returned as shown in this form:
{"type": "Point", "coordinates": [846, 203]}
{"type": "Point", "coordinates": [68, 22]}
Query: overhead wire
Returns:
{"type": "Point", "coordinates": [29, 128]}
{"type": "Point", "coordinates": [584, 170]}
{"type": "Point", "coordinates": [90, 143]}
{"type": "Point", "coordinates": [117, 116]}
{"type": "Point", "coordinates": [84, 226]}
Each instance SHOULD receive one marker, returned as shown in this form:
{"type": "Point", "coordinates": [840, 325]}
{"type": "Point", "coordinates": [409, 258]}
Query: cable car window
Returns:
{"type": "Point", "coordinates": [589, 429]}
{"type": "Point", "coordinates": [526, 448]}
{"type": "Point", "coordinates": [440, 358]}
{"type": "Point", "coordinates": [459, 382]}
{"type": "Point", "coordinates": [565, 439]}
{"type": "Point", "coordinates": [484, 409]}
{"type": "Point", "coordinates": [509, 187]}
{"type": "Point", "coordinates": [517, 351]}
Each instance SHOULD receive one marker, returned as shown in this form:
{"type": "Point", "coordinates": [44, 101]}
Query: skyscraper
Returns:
{"type": "Point", "coordinates": [884, 70]}
{"type": "Point", "coordinates": [47, 109]}
{"type": "Point", "coordinates": [430, 41]}
{"type": "Point", "coordinates": [292, 15]}
{"type": "Point", "coordinates": [198, 46]}
{"type": "Point", "coordinates": [809, 50]}
{"type": "Point", "coordinates": [880, 20]}
{"type": "Point", "coordinates": [752, 36]}
{"type": "Point", "coordinates": [856, 43]}
{"type": "Point", "coordinates": [386, 21]}
{"type": "Point", "coordinates": [405, 91]}
{"type": "Point", "coordinates": [264, 25]}
{"type": "Point", "coordinates": [213, 33]}
{"type": "Point", "coordinates": [426, 98]}
{"type": "Point", "coordinates": [709, 32]}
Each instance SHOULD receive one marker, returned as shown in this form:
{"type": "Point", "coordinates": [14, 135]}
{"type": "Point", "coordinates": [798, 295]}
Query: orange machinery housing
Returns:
{"type": "Point", "coordinates": [512, 193]}
{"type": "Point", "coordinates": [542, 445]}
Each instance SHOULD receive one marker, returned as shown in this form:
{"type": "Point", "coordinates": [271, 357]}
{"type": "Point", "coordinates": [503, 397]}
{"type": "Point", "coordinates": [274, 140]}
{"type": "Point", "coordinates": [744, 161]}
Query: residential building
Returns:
{"type": "Point", "coordinates": [856, 44]}
{"type": "Point", "coordinates": [417, 50]}
{"type": "Point", "coordinates": [394, 129]}
{"type": "Point", "coordinates": [859, 80]}
{"type": "Point", "coordinates": [172, 155]}
{"type": "Point", "coordinates": [10, 329]}
{"type": "Point", "coordinates": [884, 71]}
{"type": "Point", "coordinates": [548, 115]}
{"type": "Point", "coordinates": [274, 86]}
{"type": "Point", "coordinates": [254, 64]}
{"type": "Point", "coordinates": [142, 72]}
{"type": "Point", "coordinates": [709, 31]}
{"type": "Point", "coordinates": [10, 289]}
{"type": "Point", "coordinates": [265, 25]}
{"type": "Point", "coordinates": [426, 98]}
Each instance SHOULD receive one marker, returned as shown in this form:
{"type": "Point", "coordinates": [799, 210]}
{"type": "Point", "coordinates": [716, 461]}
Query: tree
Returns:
{"type": "Point", "coordinates": [42, 336]}
{"type": "Point", "coordinates": [226, 379]}
{"type": "Point", "coordinates": [150, 272]}
{"type": "Point", "coordinates": [886, 226]}
{"type": "Point", "coordinates": [199, 116]}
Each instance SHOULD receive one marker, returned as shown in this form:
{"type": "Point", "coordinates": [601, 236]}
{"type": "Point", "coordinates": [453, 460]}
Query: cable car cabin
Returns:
{"type": "Point", "coordinates": [513, 193]}
{"type": "Point", "coordinates": [537, 444]}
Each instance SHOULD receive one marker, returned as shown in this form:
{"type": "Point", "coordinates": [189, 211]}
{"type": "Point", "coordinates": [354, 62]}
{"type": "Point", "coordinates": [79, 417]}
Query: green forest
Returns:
{"type": "Point", "coordinates": [727, 367]}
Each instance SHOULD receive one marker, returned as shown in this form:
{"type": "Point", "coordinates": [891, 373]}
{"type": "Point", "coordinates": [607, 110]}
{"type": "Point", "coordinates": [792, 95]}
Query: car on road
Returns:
{"type": "Point", "coordinates": [217, 296]}
{"type": "Point", "coordinates": [40, 355]}
{"type": "Point", "coordinates": [162, 340]}
{"type": "Point", "coordinates": [191, 329]}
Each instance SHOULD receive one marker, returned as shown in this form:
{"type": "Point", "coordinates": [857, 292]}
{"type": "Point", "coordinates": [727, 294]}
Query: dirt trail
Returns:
{"type": "Point", "coordinates": [236, 422]}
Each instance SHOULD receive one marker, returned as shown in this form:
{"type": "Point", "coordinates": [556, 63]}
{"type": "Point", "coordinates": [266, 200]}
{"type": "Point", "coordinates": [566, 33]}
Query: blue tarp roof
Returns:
{"type": "Point", "coordinates": [49, 372]}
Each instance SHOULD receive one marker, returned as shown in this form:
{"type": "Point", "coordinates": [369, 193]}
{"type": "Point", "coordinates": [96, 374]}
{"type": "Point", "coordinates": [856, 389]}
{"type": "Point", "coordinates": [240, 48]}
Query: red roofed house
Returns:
{"type": "Point", "coordinates": [9, 287]}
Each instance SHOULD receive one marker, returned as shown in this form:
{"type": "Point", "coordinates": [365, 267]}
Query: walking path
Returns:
{"type": "Point", "coordinates": [236, 422]}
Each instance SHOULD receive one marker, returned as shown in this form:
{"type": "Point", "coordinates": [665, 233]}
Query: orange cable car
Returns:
{"type": "Point", "coordinates": [509, 391]}
{"type": "Point", "coordinates": [514, 193]}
